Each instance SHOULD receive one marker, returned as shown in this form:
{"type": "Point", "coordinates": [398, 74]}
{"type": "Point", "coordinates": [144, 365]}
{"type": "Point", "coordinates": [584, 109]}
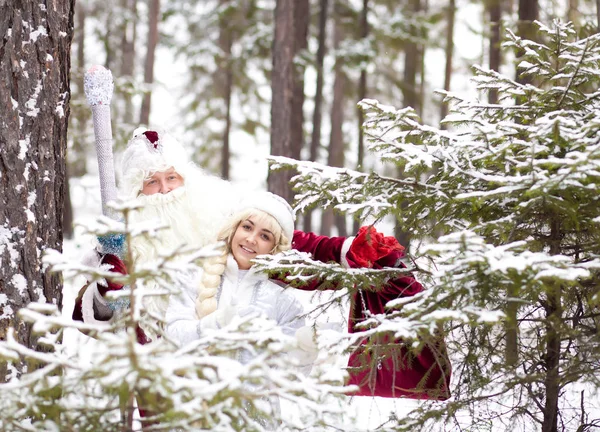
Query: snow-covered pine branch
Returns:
{"type": "Point", "coordinates": [299, 269]}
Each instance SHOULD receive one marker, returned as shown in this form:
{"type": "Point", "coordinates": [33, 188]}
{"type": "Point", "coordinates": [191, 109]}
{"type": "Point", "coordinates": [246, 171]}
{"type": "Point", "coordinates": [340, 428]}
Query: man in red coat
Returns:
{"type": "Point", "coordinates": [386, 367]}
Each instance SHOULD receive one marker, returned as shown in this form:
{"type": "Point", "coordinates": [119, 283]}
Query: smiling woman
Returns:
{"type": "Point", "coordinates": [263, 225]}
{"type": "Point", "coordinates": [231, 287]}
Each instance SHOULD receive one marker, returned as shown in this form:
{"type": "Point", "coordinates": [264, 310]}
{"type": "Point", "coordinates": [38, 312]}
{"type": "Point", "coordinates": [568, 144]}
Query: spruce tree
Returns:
{"type": "Point", "coordinates": [506, 204]}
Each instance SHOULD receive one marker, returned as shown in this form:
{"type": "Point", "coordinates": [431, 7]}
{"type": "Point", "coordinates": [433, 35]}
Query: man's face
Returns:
{"type": "Point", "coordinates": [251, 238]}
{"type": "Point", "coordinates": [162, 182]}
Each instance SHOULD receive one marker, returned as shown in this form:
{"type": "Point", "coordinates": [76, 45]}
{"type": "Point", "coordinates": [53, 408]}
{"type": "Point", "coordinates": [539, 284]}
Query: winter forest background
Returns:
{"type": "Point", "coordinates": [476, 144]}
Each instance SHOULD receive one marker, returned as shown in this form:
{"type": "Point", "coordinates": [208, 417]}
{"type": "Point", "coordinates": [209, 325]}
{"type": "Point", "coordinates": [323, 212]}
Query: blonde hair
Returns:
{"type": "Point", "coordinates": [206, 301]}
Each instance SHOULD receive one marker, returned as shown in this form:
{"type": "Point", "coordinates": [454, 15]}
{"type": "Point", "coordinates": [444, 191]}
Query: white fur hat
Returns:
{"type": "Point", "coordinates": [274, 205]}
{"type": "Point", "coordinates": [147, 152]}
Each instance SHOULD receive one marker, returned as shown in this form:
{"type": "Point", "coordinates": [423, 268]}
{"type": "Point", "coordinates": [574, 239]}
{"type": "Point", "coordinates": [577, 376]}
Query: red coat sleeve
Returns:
{"type": "Point", "coordinates": [322, 248]}
{"type": "Point", "coordinates": [118, 266]}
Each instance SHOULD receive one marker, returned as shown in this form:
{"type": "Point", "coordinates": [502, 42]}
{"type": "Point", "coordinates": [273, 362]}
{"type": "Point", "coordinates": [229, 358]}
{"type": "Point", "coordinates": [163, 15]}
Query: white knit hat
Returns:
{"type": "Point", "coordinates": [147, 152]}
{"type": "Point", "coordinates": [274, 205]}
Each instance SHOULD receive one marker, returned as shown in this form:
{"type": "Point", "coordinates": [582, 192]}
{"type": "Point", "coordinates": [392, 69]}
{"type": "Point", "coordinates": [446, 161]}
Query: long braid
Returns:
{"type": "Point", "coordinates": [206, 302]}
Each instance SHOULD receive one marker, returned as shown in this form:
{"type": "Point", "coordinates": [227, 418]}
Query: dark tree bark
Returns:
{"type": "Point", "coordinates": [412, 60]}
{"type": "Point", "coordinates": [528, 12]}
{"type": "Point", "coordinates": [291, 23]}
{"type": "Point", "coordinates": [282, 88]}
{"type": "Point", "coordinates": [34, 91]}
{"type": "Point", "coordinates": [554, 318]}
{"type": "Point", "coordinates": [153, 15]}
{"type": "Point", "coordinates": [80, 114]}
{"type": "Point", "coordinates": [494, 10]}
{"type": "Point", "coordinates": [449, 54]}
{"type": "Point", "coordinates": [315, 142]}
{"type": "Point", "coordinates": [362, 84]}
{"type": "Point", "coordinates": [421, 56]}
{"type": "Point", "coordinates": [107, 40]}
{"type": "Point", "coordinates": [335, 156]}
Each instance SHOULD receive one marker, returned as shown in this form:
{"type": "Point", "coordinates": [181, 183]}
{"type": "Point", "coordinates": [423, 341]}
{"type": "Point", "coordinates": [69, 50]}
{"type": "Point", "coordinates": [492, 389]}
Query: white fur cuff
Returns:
{"type": "Point", "coordinates": [345, 248]}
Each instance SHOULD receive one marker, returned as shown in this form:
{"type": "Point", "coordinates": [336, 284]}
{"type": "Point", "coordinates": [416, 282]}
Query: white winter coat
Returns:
{"type": "Point", "coordinates": [253, 289]}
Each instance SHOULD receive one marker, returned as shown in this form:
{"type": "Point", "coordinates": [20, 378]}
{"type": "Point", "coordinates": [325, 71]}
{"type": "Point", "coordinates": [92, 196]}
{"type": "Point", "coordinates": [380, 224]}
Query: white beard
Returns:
{"type": "Point", "coordinates": [173, 213]}
{"type": "Point", "coordinates": [192, 216]}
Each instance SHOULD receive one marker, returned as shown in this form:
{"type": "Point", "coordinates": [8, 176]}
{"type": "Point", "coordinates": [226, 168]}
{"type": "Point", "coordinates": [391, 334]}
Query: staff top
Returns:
{"type": "Point", "coordinates": [98, 85]}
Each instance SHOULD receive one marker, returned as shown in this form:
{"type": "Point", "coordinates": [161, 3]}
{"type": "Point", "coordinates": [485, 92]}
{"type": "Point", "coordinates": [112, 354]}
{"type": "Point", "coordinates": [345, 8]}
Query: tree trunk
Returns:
{"type": "Point", "coordinates": [224, 81]}
{"type": "Point", "coordinates": [410, 96]}
{"type": "Point", "coordinates": [553, 309]}
{"type": "Point", "coordinates": [286, 105]}
{"type": "Point", "coordinates": [495, 14]}
{"type": "Point", "coordinates": [362, 94]}
{"type": "Point", "coordinates": [128, 38]}
{"type": "Point", "coordinates": [81, 114]}
{"type": "Point", "coordinates": [76, 155]}
{"type": "Point", "coordinates": [411, 62]}
{"type": "Point", "coordinates": [315, 142]}
{"type": "Point", "coordinates": [301, 21]}
{"type": "Point", "coordinates": [449, 55]}
{"type": "Point", "coordinates": [107, 40]}
{"type": "Point", "coordinates": [67, 223]}
{"type": "Point", "coordinates": [34, 91]}
{"type": "Point", "coordinates": [153, 15]}
{"type": "Point", "coordinates": [362, 85]}
{"type": "Point", "coordinates": [421, 56]}
{"type": "Point", "coordinates": [335, 156]}
{"type": "Point", "coordinates": [528, 13]}
{"type": "Point", "coordinates": [573, 13]}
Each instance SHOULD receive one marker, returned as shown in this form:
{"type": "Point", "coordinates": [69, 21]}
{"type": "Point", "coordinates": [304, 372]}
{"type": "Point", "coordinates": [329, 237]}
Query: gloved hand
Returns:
{"type": "Point", "coordinates": [371, 249]}
{"type": "Point", "coordinates": [305, 339]}
{"type": "Point", "coordinates": [306, 350]}
{"type": "Point", "coordinates": [218, 319]}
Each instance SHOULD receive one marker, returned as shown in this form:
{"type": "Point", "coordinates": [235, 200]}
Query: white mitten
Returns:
{"type": "Point", "coordinates": [307, 350]}
{"type": "Point", "coordinates": [218, 319]}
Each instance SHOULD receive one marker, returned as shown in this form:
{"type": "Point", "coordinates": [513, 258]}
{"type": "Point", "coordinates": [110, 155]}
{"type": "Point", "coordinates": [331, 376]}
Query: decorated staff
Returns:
{"type": "Point", "coordinates": [98, 86]}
